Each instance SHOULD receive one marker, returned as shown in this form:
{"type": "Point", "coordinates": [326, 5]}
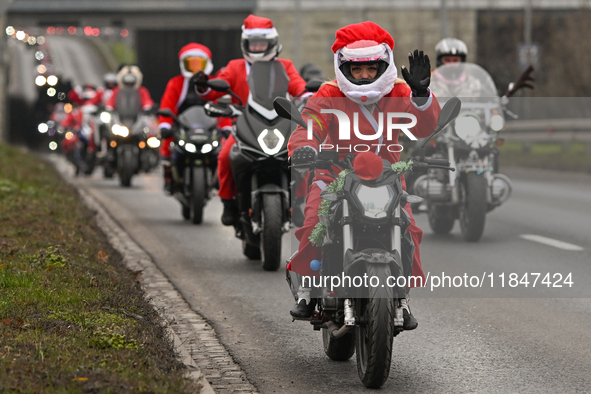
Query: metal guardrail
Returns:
{"type": "Point", "coordinates": [563, 131]}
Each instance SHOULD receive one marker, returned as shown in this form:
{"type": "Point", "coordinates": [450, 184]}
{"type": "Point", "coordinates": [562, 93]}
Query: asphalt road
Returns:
{"type": "Point", "coordinates": [516, 342]}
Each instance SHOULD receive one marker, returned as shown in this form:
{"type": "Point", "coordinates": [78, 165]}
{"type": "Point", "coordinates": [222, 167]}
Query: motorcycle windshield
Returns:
{"type": "Point", "coordinates": [196, 118]}
{"type": "Point", "coordinates": [266, 81]}
{"type": "Point", "coordinates": [465, 81]}
{"type": "Point", "coordinates": [128, 104]}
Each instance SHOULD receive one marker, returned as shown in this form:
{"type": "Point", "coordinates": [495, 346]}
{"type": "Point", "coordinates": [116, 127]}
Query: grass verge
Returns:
{"type": "Point", "coordinates": [73, 319]}
{"type": "Point", "coordinates": [550, 156]}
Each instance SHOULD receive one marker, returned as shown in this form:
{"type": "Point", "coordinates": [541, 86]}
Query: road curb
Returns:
{"type": "Point", "coordinates": [195, 340]}
{"type": "Point", "coordinates": [159, 291]}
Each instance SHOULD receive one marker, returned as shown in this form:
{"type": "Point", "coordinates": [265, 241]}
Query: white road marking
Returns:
{"type": "Point", "coordinates": [551, 242]}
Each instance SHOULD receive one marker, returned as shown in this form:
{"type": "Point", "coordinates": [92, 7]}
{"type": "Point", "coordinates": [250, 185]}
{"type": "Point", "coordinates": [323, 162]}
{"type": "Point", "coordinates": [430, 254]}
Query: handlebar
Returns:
{"type": "Point", "coordinates": [437, 162]}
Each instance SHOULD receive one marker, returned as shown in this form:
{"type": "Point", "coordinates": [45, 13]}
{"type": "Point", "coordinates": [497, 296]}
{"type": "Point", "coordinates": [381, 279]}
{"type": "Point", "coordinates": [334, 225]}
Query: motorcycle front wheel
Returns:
{"type": "Point", "coordinates": [375, 333]}
{"type": "Point", "coordinates": [441, 220]}
{"type": "Point", "coordinates": [127, 168]}
{"type": "Point", "coordinates": [271, 223]}
{"type": "Point", "coordinates": [198, 188]}
{"type": "Point", "coordinates": [473, 206]}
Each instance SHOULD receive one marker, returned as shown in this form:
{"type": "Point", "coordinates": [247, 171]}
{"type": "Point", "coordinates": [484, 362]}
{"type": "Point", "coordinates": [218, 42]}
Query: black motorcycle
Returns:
{"type": "Point", "coordinates": [194, 170]}
{"type": "Point", "coordinates": [365, 237]}
{"type": "Point", "coordinates": [259, 162]}
{"type": "Point", "coordinates": [130, 128]}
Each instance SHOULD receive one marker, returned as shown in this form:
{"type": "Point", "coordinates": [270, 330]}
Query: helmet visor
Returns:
{"type": "Point", "coordinates": [195, 63]}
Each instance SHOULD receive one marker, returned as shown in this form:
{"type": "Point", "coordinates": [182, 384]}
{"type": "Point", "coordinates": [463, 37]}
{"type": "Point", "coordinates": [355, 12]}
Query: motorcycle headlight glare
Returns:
{"type": "Point", "coordinates": [271, 141]}
{"type": "Point", "coordinates": [467, 127]}
{"type": "Point", "coordinates": [120, 130]}
{"type": "Point", "coordinates": [497, 122]}
{"type": "Point", "coordinates": [42, 128]}
{"type": "Point", "coordinates": [191, 148]}
{"type": "Point", "coordinates": [105, 117]}
{"type": "Point", "coordinates": [53, 145]}
{"type": "Point", "coordinates": [375, 200]}
{"type": "Point", "coordinates": [206, 148]}
{"type": "Point", "coordinates": [153, 142]}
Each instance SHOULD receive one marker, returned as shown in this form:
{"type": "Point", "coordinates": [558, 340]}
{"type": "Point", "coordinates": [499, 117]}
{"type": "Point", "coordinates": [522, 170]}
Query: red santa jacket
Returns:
{"type": "Point", "coordinates": [326, 125]}
{"type": "Point", "coordinates": [235, 74]}
{"type": "Point", "coordinates": [145, 98]}
{"type": "Point", "coordinates": [174, 96]}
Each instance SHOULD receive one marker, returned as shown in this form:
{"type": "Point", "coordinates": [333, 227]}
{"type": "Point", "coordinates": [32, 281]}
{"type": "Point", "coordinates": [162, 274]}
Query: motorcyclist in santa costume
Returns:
{"type": "Point", "coordinates": [259, 42]}
{"type": "Point", "coordinates": [130, 77]}
{"type": "Point", "coordinates": [366, 82]}
{"type": "Point", "coordinates": [180, 95]}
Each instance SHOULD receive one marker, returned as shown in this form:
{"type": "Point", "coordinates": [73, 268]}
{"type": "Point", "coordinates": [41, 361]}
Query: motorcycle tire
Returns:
{"type": "Point", "coordinates": [251, 251]}
{"type": "Point", "coordinates": [186, 212]}
{"type": "Point", "coordinates": [340, 349]}
{"type": "Point", "coordinates": [440, 219]}
{"type": "Point", "coordinates": [271, 235]}
{"type": "Point", "coordinates": [127, 168]}
{"type": "Point", "coordinates": [108, 171]}
{"type": "Point", "coordinates": [373, 338]}
{"type": "Point", "coordinates": [198, 191]}
{"type": "Point", "coordinates": [473, 206]}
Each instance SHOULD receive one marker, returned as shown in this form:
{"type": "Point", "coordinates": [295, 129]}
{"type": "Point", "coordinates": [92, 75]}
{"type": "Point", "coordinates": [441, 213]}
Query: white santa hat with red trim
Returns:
{"type": "Point", "coordinates": [364, 42]}
{"type": "Point", "coordinates": [198, 50]}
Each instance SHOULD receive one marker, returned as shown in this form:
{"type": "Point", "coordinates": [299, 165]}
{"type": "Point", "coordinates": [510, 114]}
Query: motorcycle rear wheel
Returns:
{"type": "Point", "coordinates": [473, 206]}
{"type": "Point", "coordinates": [198, 188]}
{"type": "Point", "coordinates": [440, 219]}
{"type": "Point", "coordinates": [271, 223]}
{"type": "Point", "coordinates": [340, 349]}
{"type": "Point", "coordinates": [251, 251]}
{"type": "Point", "coordinates": [374, 336]}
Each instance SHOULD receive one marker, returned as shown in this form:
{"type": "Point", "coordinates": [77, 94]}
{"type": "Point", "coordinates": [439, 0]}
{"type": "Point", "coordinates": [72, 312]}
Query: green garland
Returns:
{"type": "Point", "coordinates": [402, 166]}
{"type": "Point", "coordinates": [319, 232]}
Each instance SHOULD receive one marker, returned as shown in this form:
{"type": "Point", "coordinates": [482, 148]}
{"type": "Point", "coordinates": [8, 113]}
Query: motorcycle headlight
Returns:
{"type": "Point", "coordinates": [271, 141]}
{"type": "Point", "coordinates": [206, 148]}
{"type": "Point", "coordinates": [497, 122]}
{"type": "Point", "coordinates": [120, 130]}
{"type": "Point", "coordinates": [191, 148]}
{"type": "Point", "coordinates": [43, 128]}
{"type": "Point", "coordinates": [469, 129]}
{"type": "Point", "coordinates": [153, 142]}
{"type": "Point", "coordinates": [105, 117]}
{"type": "Point", "coordinates": [53, 145]}
{"type": "Point", "coordinates": [375, 200]}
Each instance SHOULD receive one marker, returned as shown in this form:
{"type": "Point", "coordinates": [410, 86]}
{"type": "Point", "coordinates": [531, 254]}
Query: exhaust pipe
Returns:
{"type": "Point", "coordinates": [337, 332]}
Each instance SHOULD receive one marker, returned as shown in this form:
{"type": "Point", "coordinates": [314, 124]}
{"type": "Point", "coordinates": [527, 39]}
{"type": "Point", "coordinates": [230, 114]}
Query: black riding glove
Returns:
{"type": "Point", "coordinates": [165, 132]}
{"type": "Point", "coordinates": [199, 79]}
{"type": "Point", "coordinates": [418, 76]}
{"type": "Point", "coordinates": [303, 155]}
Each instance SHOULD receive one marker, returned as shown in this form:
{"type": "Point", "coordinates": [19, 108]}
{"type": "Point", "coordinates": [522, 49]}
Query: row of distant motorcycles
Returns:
{"type": "Point", "coordinates": [454, 175]}
{"type": "Point", "coordinates": [123, 144]}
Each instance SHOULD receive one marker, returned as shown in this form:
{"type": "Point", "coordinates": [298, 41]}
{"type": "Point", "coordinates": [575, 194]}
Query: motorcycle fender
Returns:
{"type": "Point", "coordinates": [355, 264]}
{"type": "Point", "coordinates": [256, 198]}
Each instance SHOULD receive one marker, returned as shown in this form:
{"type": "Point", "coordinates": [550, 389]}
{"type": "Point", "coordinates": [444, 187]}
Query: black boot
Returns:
{"type": "Point", "coordinates": [301, 310]}
{"type": "Point", "coordinates": [410, 322]}
{"type": "Point", "coordinates": [230, 214]}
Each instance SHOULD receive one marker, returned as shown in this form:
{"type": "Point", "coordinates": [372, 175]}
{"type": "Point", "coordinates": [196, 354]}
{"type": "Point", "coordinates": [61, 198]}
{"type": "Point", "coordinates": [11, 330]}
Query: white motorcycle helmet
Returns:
{"type": "Point", "coordinates": [259, 40]}
{"type": "Point", "coordinates": [451, 47]}
{"type": "Point", "coordinates": [364, 43]}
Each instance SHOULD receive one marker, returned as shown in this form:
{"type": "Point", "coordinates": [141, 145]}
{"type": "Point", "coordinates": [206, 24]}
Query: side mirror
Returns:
{"type": "Point", "coordinates": [313, 85]}
{"type": "Point", "coordinates": [449, 112]}
{"type": "Point", "coordinates": [219, 85]}
{"type": "Point", "coordinates": [287, 110]}
{"type": "Point", "coordinates": [525, 80]}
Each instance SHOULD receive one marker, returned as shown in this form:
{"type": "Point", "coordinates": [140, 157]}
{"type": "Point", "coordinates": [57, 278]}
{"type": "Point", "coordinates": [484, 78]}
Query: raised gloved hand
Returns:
{"type": "Point", "coordinates": [199, 79]}
{"type": "Point", "coordinates": [303, 155]}
{"type": "Point", "coordinates": [418, 76]}
{"type": "Point", "coordinates": [165, 132]}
